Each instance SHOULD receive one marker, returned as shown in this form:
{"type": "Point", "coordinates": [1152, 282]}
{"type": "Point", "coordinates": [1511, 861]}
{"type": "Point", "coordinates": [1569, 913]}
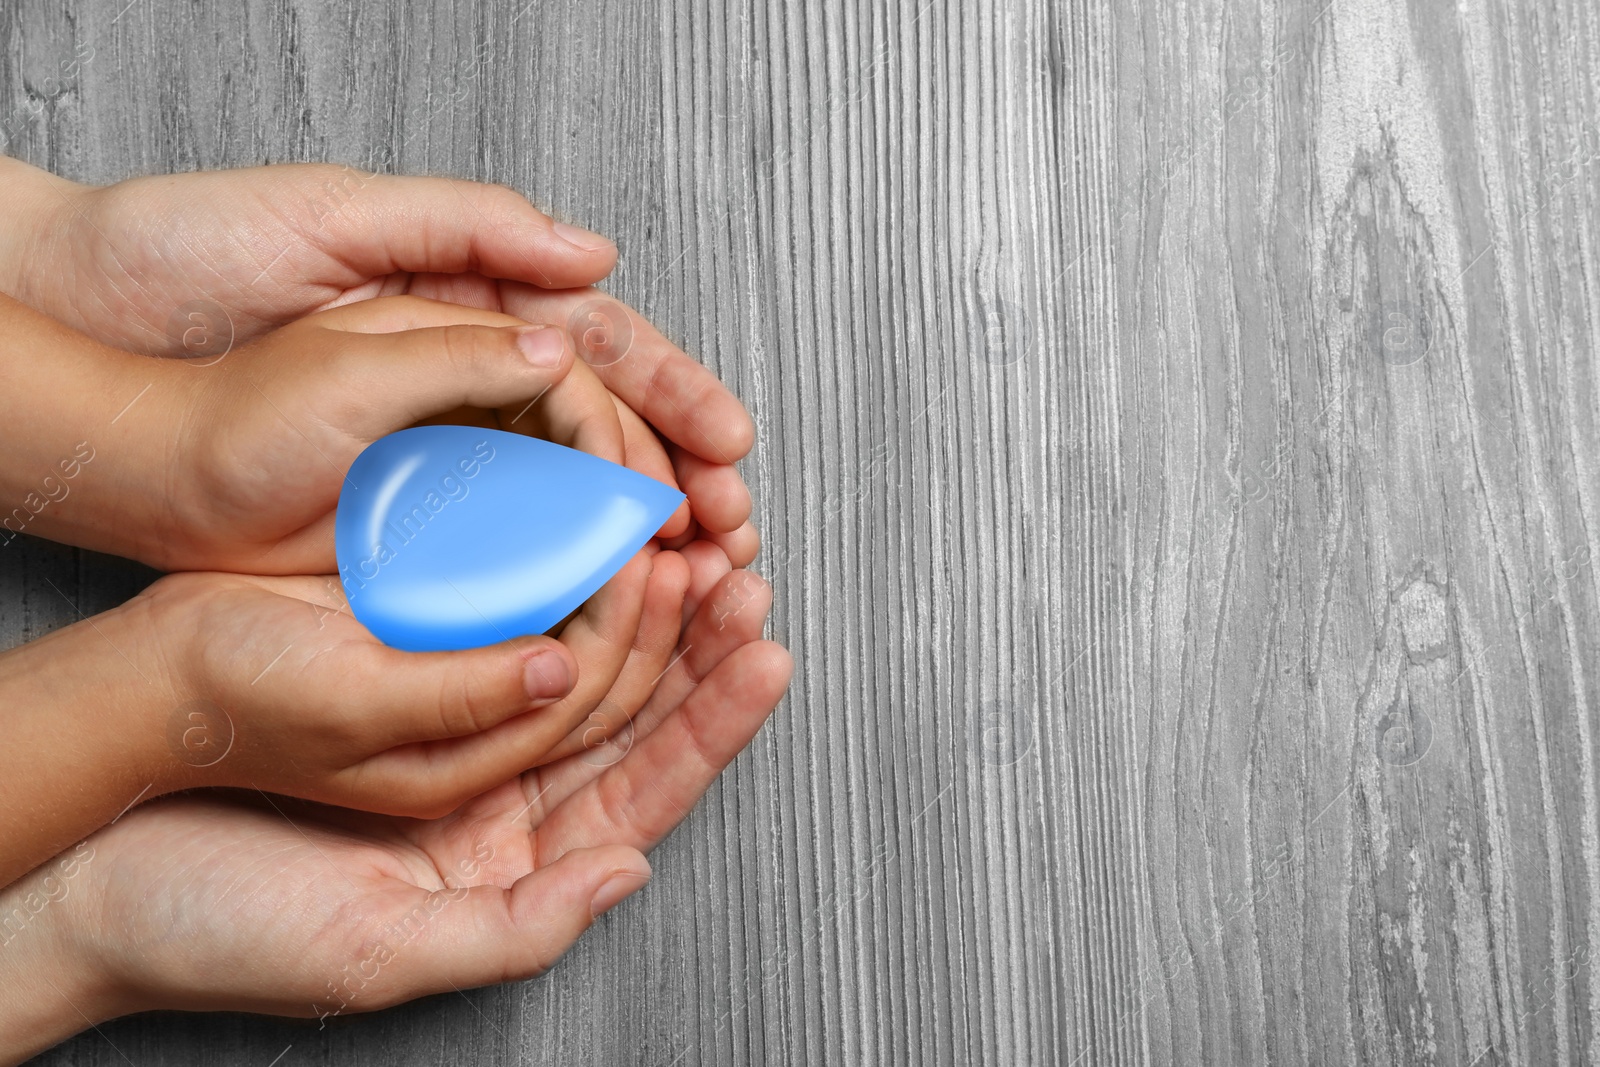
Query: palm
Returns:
{"type": "Point", "coordinates": [210, 882]}
{"type": "Point", "coordinates": [335, 884]}
{"type": "Point", "coordinates": [253, 902]}
{"type": "Point", "coordinates": [250, 250]}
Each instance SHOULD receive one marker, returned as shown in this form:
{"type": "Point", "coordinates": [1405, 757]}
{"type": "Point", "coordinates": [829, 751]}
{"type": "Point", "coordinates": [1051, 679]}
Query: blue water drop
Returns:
{"type": "Point", "coordinates": [454, 537]}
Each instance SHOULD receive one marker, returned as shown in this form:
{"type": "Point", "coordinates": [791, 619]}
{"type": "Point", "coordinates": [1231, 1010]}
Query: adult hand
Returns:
{"type": "Point", "coordinates": [153, 264]}
{"type": "Point", "coordinates": [259, 904]}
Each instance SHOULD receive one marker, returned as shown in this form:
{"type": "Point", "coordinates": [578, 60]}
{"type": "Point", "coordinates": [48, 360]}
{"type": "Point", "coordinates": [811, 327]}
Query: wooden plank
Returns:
{"type": "Point", "coordinates": [1362, 430]}
{"type": "Point", "coordinates": [1178, 467]}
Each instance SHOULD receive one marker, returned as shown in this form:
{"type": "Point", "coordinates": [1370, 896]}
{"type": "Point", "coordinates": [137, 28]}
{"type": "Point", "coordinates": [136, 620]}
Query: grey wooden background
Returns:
{"type": "Point", "coordinates": [1178, 463]}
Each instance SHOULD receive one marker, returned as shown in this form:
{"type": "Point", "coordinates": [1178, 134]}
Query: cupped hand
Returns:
{"type": "Point", "coordinates": [269, 245]}
{"type": "Point", "coordinates": [261, 904]}
{"type": "Point", "coordinates": [244, 252]}
{"type": "Point", "coordinates": [213, 679]}
{"type": "Point", "coordinates": [274, 685]}
{"type": "Point", "coordinates": [254, 448]}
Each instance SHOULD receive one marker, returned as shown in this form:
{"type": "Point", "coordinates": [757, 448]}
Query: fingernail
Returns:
{"type": "Point", "coordinates": [580, 238]}
{"type": "Point", "coordinates": [545, 676]}
{"type": "Point", "coordinates": [616, 889]}
{"type": "Point", "coordinates": [541, 345]}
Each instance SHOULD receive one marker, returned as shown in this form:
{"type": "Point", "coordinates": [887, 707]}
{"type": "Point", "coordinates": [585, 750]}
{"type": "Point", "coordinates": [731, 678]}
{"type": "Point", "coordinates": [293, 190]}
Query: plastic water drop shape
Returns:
{"type": "Point", "coordinates": [454, 537]}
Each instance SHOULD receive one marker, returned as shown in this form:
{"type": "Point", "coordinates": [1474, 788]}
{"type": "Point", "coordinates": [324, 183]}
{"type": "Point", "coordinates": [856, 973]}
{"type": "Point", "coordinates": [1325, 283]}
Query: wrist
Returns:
{"type": "Point", "coordinates": [51, 985]}
{"type": "Point", "coordinates": [86, 728]}
{"type": "Point", "coordinates": [92, 442]}
{"type": "Point", "coordinates": [139, 694]}
{"type": "Point", "coordinates": [185, 733]}
{"type": "Point", "coordinates": [31, 228]}
{"type": "Point", "coordinates": [151, 447]}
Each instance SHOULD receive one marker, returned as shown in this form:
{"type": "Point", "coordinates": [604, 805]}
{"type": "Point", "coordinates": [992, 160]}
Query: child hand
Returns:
{"type": "Point", "coordinates": [258, 248]}
{"type": "Point", "coordinates": [154, 916]}
{"type": "Point", "coordinates": [238, 465]}
{"type": "Point", "coordinates": [269, 683]}
{"type": "Point", "coordinates": [320, 709]}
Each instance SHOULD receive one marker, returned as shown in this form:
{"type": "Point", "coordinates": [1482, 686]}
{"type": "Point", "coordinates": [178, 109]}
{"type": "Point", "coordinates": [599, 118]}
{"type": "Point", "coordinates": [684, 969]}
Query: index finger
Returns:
{"type": "Point", "coordinates": [678, 396]}
{"type": "Point", "coordinates": [641, 799]}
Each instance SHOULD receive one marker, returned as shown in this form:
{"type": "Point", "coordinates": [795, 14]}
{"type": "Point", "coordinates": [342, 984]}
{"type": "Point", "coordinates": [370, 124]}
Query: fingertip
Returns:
{"type": "Point", "coordinates": [585, 241]}
{"type": "Point", "coordinates": [545, 346]}
{"type": "Point", "coordinates": [707, 562]}
{"type": "Point", "coordinates": [620, 884]}
{"type": "Point", "coordinates": [732, 613]}
{"type": "Point", "coordinates": [741, 545]}
{"type": "Point", "coordinates": [623, 594]}
{"type": "Point", "coordinates": [740, 432]}
{"type": "Point", "coordinates": [549, 672]}
{"type": "Point", "coordinates": [723, 503]}
{"type": "Point", "coordinates": [524, 931]}
{"type": "Point", "coordinates": [778, 665]}
{"type": "Point", "coordinates": [573, 882]}
{"type": "Point", "coordinates": [755, 590]}
{"type": "Point", "coordinates": [688, 536]}
{"type": "Point", "coordinates": [707, 565]}
{"type": "Point", "coordinates": [677, 524]}
{"type": "Point", "coordinates": [569, 266]}
{"type": "Point", "coordinates": [740, 504]}
{"type": "Point", "coordinates": [769, 664]}
{"type": "Point", "coordinates": [718, 495]}
{"type": "Point", "coordinates": [671, 570]}
{"type": "Point", "coordinates": [780, 661]}
{"type": "Point", "coordinates": [725, 430]}
{"type": "Point", "coordinates": [638, 567]}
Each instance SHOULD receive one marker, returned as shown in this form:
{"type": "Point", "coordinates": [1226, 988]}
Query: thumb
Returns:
{"type": "Point", "coordinates": [385, 224]}
{"type": "Point", "coordinates": [488, 934]}
{"type": "Point", "coordinates": [403, 377]}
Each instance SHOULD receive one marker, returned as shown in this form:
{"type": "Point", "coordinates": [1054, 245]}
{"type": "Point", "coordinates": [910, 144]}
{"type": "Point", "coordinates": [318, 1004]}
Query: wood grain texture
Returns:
{"type": "Point", "coordinates": [1180, 472]}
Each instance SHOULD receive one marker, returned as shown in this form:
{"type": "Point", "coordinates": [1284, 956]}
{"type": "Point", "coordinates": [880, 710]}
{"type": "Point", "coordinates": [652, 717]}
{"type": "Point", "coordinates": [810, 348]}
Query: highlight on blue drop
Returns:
{"type": "Point", "coordinates": [453, 537]}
